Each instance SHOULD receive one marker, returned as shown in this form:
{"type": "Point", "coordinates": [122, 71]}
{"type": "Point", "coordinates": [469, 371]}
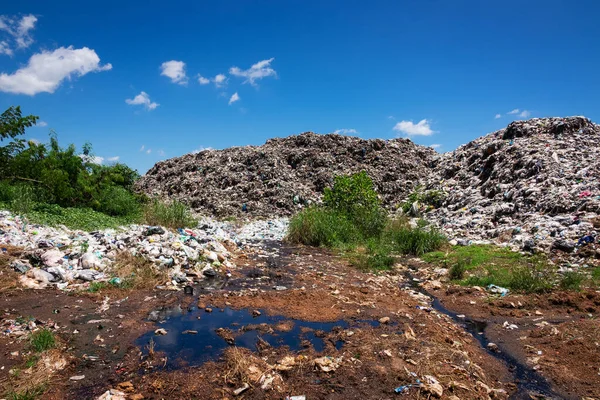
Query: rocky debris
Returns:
{"type": "Point", "coordinates": [533, 185]}
{"type": "Point", "coordinates": [285, 174]}
{"type": "Point", "coordinates": [65, 258]}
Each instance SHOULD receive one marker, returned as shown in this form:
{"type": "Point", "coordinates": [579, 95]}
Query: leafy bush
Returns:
{"type": "Point", "coordinates": [432, 198]}
{"type": "Point", "coordinates": [351, 194]}
{"type": "Point", "coordinates": [173, 214]}
{"type": "Point", "coordinates": [118, 201]}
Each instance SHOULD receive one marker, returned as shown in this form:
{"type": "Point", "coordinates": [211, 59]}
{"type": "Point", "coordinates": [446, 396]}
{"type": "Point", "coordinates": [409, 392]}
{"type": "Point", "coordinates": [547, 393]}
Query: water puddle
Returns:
{"type": "Point", "coordinates": [195, 336]}
{"type": "Point", "coordinates": [529, 382]}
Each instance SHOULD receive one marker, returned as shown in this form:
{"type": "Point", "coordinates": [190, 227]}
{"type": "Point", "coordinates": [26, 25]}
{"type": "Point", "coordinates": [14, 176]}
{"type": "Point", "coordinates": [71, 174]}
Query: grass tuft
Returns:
{"type": "Point", "coordinates": [42, 340]}
{"type": "Point", "coordinates": [172, 215]}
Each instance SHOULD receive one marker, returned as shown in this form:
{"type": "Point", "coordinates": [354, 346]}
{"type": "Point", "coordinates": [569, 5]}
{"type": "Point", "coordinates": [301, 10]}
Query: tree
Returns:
{"type": "Point", "coordinates": [12, 124]}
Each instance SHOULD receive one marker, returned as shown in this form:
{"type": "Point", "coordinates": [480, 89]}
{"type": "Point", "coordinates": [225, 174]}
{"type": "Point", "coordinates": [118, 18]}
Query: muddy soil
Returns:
{"type": "Point", "coordinates": [293, 321]}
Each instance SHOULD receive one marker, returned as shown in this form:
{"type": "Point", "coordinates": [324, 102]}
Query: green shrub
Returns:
{"type": "Point", "coordinates": [351, 194]}
{"type": "Point", "coordinates": [571, 280]}
{"type": "Point", "coordinates": [42, 340]}
{"type": "Point", "coordinates": [118, 201]}
{"type": "Point", "coordinates": [172, 215]}
{"type": "Point", "coordinates": [28, 394]}
{"type": "Point", "coordinates": [318, 226]}
{"type": "Point", "coordinates": [457, 271]}
{"type": "Point", "coordinates": [416, 241]}
{"type": "Point", "coordinates": [432, 198]}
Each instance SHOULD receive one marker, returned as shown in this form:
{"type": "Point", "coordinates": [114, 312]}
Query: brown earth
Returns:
{"type": "Point", "coordinates": [416, 343]}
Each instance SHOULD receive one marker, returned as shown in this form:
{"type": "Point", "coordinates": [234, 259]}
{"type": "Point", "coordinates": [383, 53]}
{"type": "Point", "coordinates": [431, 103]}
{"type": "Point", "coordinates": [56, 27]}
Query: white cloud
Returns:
{"type": "Point", "coordinates": [391, 117]}
{"type": "Point", "coordinates": [519, 113]}
{"type": "Point", "coordinates": [161, 152]}
{"type": "Point", "coordinates": [202, 80]}
{"type": "Point", "coordinates": [421, 128]}
{"type": "Point", "coordinates": [345, 131]}
{"type": "Point", "coordinates": [41, 124]}
{"type": "Point", "coordinates": [220, 80]}
{"type": "Point", "coordinates": [143, 147]}
{"type": "Point", "coordinates": [201, 148]}
{"type": "Point", "coordinates": [498, 116]}
{"type": "Point", "coordinates": [18, 30]}
{"type": "Point", "coordinates": [92, 159]}
{"type": "Point", "coordinates": [260, 70]}
{"type": "Point", "coordinates": [435, 146]}
{"type": "Point", "coordinates": [175, 70]}
{"type": "Point", "coordinates": [148, 151]}
{"type": "Point", "coordinates": [142, 99]}
{"type": "Point", "coordinates": [5, 48]}
{"type": "Point", "coordinates": [45, 71]}
{"type": "Point", "coordinates": [525, 113]}
{"type": "Point", "coordinates": [234, 97]}
{"type": "Point", "coordinates": [113, 159]}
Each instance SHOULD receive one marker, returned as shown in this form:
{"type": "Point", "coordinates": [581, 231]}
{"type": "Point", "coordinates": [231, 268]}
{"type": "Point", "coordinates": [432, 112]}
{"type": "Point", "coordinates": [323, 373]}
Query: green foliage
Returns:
{"type": "Point", "coordinates": [432, 198]}
{"type": "Point", "coordinates": [118, 201]}
{"type": "Point", "coordinates": [353, 220]}
{"type": "Point", "coordinates": [172, 215]}
{"type": "Point", "coordinates": [457, 270]}
{"type": "Point", "coordinates": [483, 265]}
{"type": "Point", "coordinates": [318, 226]}
{"type": "Point", "coordinates": [351, 194]}
{"type": "Point", "coordinates": [571, 280]}
{"type": "Point", "coordinates": [42, 340]}
{"type": "Point", "coordinates": [416, 241]}
{"type": "Point", "coordinates": [13, 124]}
{"type": "Point", "coordinates": [76, 218]}
{"type": "Point", "coordinates": [28, 394]}
{"type": "Point", "coordinates": [97, 286]}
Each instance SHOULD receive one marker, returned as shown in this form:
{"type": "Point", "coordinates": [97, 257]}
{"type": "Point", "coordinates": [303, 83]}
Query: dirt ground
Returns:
{"type": "Point", "coordinates": [383, 333]}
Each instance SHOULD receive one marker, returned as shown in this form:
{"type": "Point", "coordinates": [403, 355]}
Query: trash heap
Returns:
{"type": "Point", "coordinates": [533, 185]}
{"type": "Point", "coordinates": [285, 174]}
{"type": "Point", "coordinates": [65, 258]}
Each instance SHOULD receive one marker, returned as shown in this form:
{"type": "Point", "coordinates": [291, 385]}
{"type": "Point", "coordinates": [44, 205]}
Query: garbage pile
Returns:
{"type": "Point", "coordinates": [285, 174]}
{"type": "Point", "coordinates": [533, 185]}
{"type": "Point", "coordinates": [63, 258]}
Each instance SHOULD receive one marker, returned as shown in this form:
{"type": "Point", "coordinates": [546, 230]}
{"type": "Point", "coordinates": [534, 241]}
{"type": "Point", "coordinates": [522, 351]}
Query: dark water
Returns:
{"type": "Point", "coordinates": [529, 382]}
{"type": "Point", "coordinates": [195, 349]}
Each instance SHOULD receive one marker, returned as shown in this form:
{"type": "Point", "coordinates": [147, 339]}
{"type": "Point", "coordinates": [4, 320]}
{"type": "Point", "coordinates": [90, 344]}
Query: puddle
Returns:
{"type": "Point", "coordinates": [206, 344]}
{"type": "Point", "coordinates": [529, 382]}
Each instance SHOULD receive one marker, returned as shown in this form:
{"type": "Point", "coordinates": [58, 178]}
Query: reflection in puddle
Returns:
{"type": "Point", "coordinates": [206, 344]}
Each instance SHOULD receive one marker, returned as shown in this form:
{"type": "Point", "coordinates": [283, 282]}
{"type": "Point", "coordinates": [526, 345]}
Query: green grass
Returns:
{"type": "Point", "coordinates": [42, 340]}
{"type": "Point", "coordinates": [596, 274]}
{"type": "Point", "coordinates": [474, 256]}
{"type": "Point", "coordinates": [414, 241]}
{"type": "Point", "coordinates": [97, 286]}
{"type": "Point", "coordinates": [29, 394]}
{"type": "Point", "coordinates": [171, 215]}
{"type": "Point", "coordinates": [32, 361]}
{"type": "Point", "coordinates": [572, 280]}
{"type": "Point", "coordinates": [483, 265]}
{"type": "Point", "coordinates": [317, 226]}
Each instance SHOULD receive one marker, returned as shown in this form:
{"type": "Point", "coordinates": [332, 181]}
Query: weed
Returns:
{"type": "Point", "coordinates": [97, 286]}
{"type": "Point", "coordinates": [458, 269]}
{"type": "Point", "coordinates": [172, 215]}
{"type": "Point", "coordinates": [571, 280]}
{"type": "Point", "coordinates": [28, 394]}
{"type": "Point", "coordinates": [42, 340]}
{"type": "Point", "coordinates": [32, 361]}
{"type": "Point", "coordinates": [318, 226]}
{"type": "Point", "coordinates": [415, 241]}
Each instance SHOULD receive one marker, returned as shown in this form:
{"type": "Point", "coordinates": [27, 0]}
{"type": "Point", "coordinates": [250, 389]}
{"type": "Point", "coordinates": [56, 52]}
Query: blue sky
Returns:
{"type": "Point", "coordinates": [440, 72]}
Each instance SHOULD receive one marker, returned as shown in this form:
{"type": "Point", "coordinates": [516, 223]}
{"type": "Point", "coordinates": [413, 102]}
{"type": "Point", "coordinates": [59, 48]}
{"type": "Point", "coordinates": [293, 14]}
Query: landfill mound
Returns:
{"type": "Point", "coordinates": [285, 174]}
{"type": "Point", "coordinates": [534, 184]}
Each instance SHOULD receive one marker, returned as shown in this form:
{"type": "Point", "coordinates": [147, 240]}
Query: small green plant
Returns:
{"type": "Point", "coordinates": [42, 340]}
{"type": "Point", "coordinates": [318, 226]}
{"type": "Point", "coordinates": [414, 241]}
{"type": "Point", "coordinates": [457, 270]}
{"type": "Point", "coordinates": [84, 247]}
{"type": "Point", "coordinates": [97, 286]}
{"type": "Point", "coordinates": [351, 193]}
{"type": "Point", "coordinates": [571, 280]}
{"type": "Point", "coordinates": [432, 198]}
{"type": "Point", "coordinates": [28, 394]}
{"type": "Point", "coordinates": [32, 361]}
{"type": "Point", "coordinates": [172, 215]}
